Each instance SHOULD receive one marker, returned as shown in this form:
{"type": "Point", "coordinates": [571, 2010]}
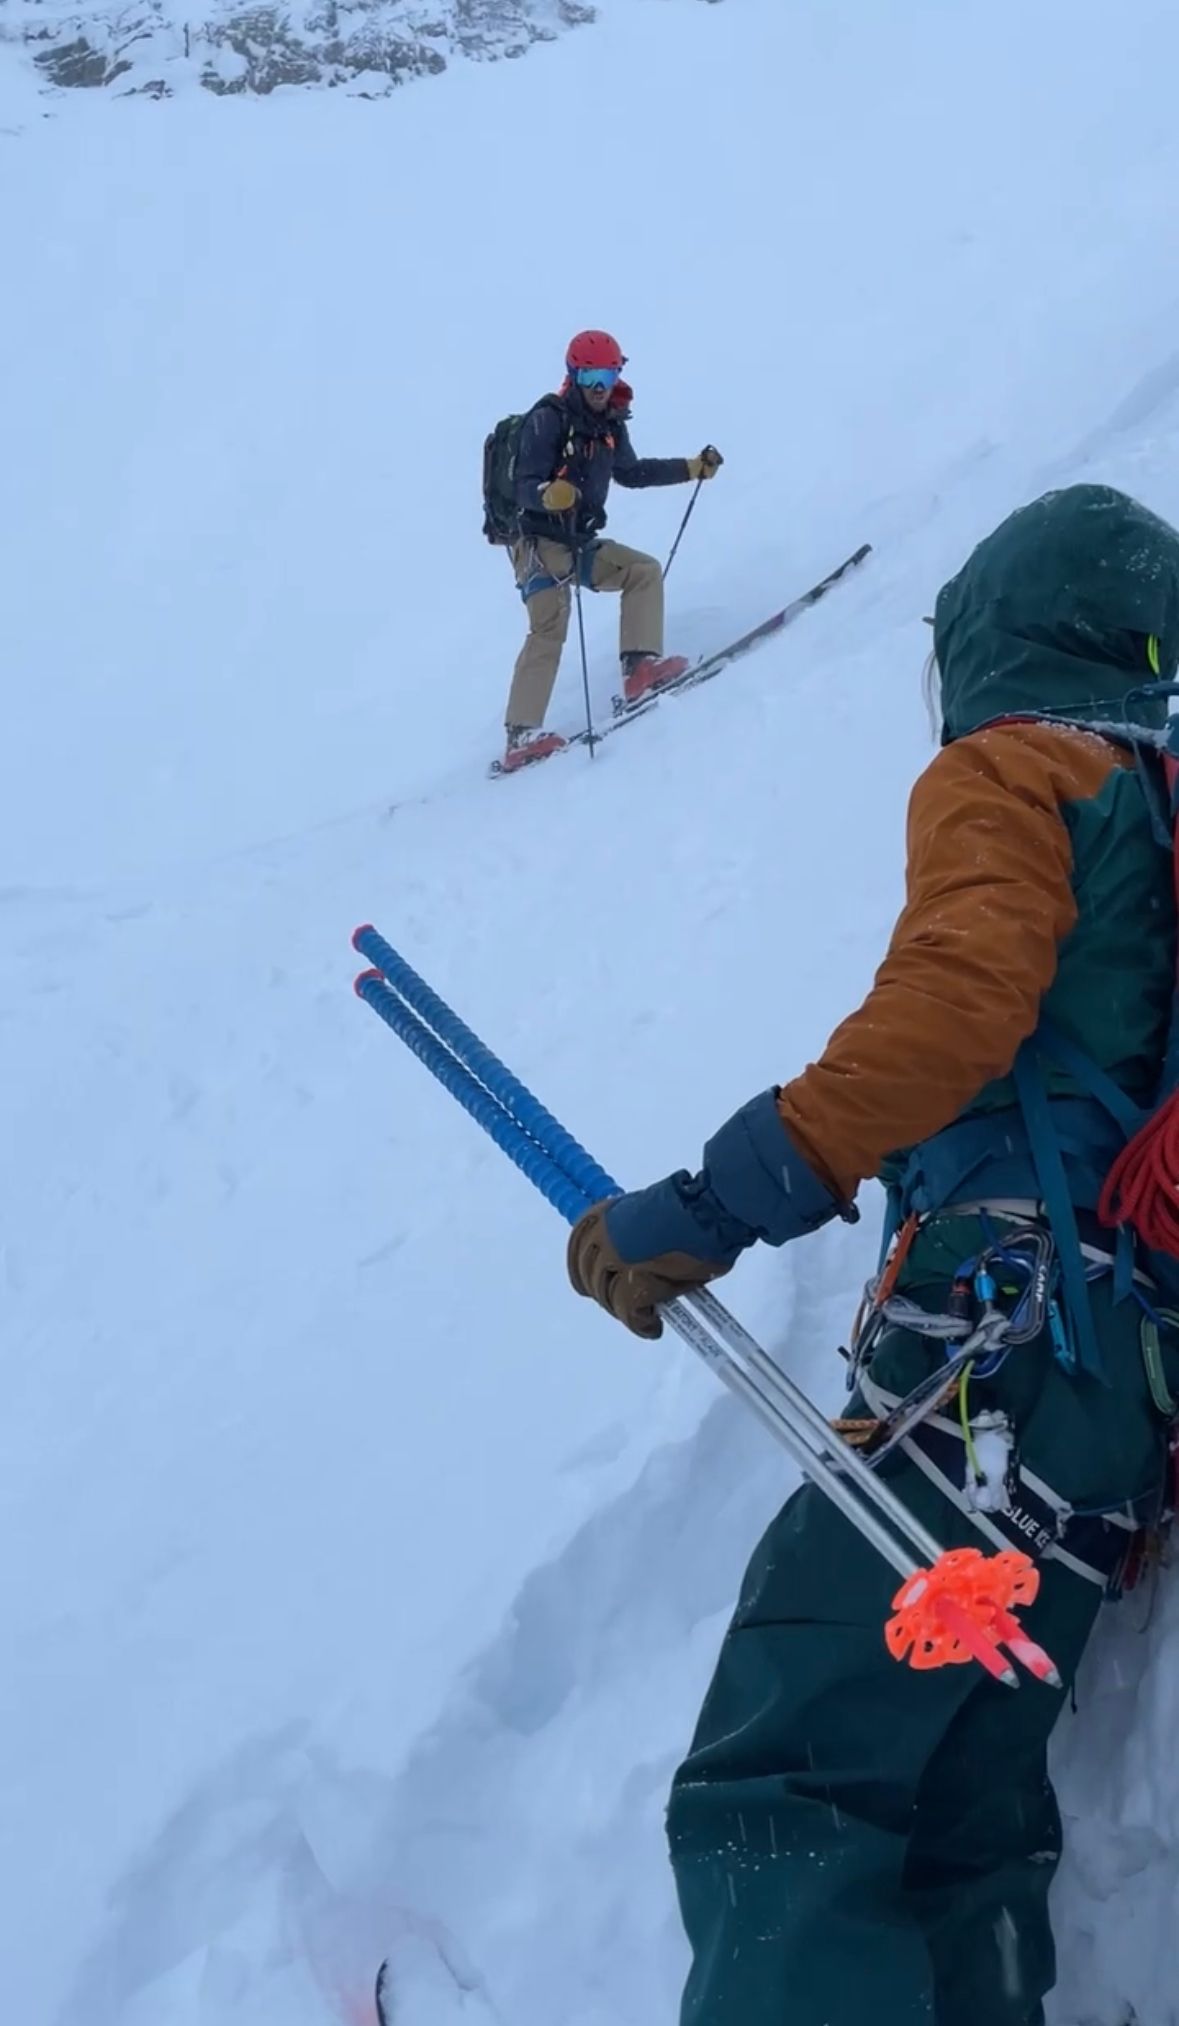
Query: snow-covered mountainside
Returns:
{"type": "Point", "coordinates": [368, 46]}
{"type": "Point", "coordinates": [358, 1584]}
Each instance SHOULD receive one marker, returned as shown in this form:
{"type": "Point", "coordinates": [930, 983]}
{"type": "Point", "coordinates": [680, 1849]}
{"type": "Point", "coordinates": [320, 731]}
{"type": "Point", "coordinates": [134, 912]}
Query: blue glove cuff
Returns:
{"type": "Point", "coordinates": [754, 1184]}
{"type": "Point", "coordinates": [678, 1215]}
{"type": "Point", "coordinates": [757, 1175]}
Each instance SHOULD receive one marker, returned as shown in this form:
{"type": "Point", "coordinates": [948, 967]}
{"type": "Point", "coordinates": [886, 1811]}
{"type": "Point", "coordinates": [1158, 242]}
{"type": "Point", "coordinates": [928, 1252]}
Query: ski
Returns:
{"type": "Point", "coordinates": [384, 1996]}
{"type": "Point", "coordinates": [708, 665]}
{"type": "Point", "coordinates": [711, 664]}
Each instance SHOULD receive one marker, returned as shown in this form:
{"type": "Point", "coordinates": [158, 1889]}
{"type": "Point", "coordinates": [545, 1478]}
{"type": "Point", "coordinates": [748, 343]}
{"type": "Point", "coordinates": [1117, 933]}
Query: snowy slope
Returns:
{"type": "Point", "coordinates": [358, 1584]}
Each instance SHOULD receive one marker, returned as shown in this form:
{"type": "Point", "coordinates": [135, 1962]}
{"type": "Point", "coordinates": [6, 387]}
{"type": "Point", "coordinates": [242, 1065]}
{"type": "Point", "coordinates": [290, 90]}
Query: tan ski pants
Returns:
{"type": "Point", "coordinates": [613, 568]}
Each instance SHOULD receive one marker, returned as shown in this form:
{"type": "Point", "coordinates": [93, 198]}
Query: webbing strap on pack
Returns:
{"type": "Point", "coordinates": [1058, 1203]}
{"type": "Point", "coordinates": [1048, 1155]}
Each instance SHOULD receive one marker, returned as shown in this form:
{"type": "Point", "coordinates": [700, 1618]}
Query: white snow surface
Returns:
{"type": "Point", "coordinates": [358, 1584]}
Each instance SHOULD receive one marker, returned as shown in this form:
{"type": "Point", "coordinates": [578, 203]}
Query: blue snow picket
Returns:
{"type": "Point", "coordinates": [571, 1180]}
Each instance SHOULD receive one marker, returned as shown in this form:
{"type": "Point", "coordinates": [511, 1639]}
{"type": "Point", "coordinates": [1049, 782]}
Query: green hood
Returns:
{"type": "Point", "coordinates": [1053, 610]}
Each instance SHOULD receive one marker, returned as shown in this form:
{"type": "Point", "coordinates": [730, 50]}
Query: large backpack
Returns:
{"type": "Point", "coordinates": [1124, 1154]}
{"type": "Point", "coordinates": [501, 515]}
{"type": "Point", "coordinates": [1137, 1188]}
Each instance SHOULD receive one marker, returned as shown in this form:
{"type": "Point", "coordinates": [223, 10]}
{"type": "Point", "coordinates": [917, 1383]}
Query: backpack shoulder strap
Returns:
{"type": "Point", "coordinates": [552, 401]}
{"type": "Point", "coordinates": [1094, 1081]}
{"type": "Point", "coordinates": [557, 406]}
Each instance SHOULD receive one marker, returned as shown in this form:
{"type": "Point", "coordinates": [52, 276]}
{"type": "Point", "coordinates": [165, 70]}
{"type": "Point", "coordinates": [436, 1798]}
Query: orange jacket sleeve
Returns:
{"type": "Point", "coordinates": [989, 899]}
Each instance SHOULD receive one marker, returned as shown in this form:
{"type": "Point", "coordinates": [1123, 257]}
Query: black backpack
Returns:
{"type": "Point", "coordinates": [501, 515]}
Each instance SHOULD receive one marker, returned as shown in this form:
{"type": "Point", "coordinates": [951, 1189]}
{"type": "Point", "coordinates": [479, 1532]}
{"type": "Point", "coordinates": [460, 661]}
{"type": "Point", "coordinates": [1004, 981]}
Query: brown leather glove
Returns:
{"type": "Point", "coordinates": [632, 1294]}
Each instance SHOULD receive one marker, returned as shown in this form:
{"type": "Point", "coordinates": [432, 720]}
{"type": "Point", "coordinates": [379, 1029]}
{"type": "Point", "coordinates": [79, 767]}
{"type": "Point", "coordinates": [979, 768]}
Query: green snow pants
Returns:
{"type": "Point", "coordinates": [859, 1844]}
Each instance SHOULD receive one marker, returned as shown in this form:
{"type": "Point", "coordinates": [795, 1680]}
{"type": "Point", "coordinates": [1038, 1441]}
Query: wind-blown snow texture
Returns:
{"type": "Point", "coordinates": [358, 1584]}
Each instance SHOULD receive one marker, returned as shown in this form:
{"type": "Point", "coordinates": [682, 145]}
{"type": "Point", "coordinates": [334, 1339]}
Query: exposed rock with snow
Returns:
{"type": "Point", "coordinates": [368, 46]}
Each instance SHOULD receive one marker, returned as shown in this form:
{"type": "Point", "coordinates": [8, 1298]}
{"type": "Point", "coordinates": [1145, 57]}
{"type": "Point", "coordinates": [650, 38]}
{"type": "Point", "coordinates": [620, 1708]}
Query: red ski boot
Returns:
{"type": "Point", "coordinates": [527, 744]}
{"type": "Point", "coordinates": [642, 673]}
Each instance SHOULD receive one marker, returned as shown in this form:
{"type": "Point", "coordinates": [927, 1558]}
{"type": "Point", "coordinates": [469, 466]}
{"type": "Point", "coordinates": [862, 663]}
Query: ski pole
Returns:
{"type": "Point", "coordinates": [688, 510]}
{"type": "Point", "coordinates": [542, 1148]}
{"type": "Point", "coordinates": [952, 1606]}
{"type": "Point", "coordinates": [572, 1182]}
{"type": "Point", "coordinates": [456, 1038]}
{"type": "Point", "coordinates": [578, 549]}
{"type": "Point", "coordinates": [555, 1186]}
{"type": "Point", "coordinates": [539, 1150]}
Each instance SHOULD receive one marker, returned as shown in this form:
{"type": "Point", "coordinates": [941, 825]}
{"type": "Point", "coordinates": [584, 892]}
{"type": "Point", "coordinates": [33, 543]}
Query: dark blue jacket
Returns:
{"type": "Point", "coordinates": [562, 437]}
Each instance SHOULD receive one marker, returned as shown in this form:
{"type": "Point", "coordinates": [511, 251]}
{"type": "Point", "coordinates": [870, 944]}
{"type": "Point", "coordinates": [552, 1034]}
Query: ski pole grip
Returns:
{"type": "Point", "coordinates": [564, 1152]}
{"type": "Point", "coordinates": [557, 1188]}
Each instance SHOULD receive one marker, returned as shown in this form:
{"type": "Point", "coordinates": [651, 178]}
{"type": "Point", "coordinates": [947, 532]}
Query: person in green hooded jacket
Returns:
{"type": "Point", "coordinates": [856, 1844]}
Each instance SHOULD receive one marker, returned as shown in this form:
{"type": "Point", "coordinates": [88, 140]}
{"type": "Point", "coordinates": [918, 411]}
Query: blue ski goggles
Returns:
{"type": "Point", "coordinates": [598, 376]}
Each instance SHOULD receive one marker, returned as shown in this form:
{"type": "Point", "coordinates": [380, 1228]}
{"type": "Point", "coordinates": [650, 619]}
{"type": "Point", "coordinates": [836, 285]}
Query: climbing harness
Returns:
{"type": "Point", "coordinates": [1000, 1299]}
{"type": "Point", "coordinates": [537, 578]}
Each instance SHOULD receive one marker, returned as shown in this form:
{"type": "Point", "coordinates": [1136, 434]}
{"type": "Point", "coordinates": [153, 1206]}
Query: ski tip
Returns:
{"type": "Point", "coordinates": [383, 1996]}
{"type": "Point", "coordinates": [365, 978]}
{"type": "Point", "coordinates": [365, 929]}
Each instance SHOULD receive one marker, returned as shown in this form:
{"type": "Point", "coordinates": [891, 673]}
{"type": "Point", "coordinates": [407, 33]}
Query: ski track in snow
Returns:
{"type": "Point", "coordinates": [359, 1586]}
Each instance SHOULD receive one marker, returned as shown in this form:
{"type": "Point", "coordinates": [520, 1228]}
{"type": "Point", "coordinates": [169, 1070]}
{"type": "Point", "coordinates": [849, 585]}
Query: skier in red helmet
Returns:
{"type": "Point", "coordinates": [572, 444]}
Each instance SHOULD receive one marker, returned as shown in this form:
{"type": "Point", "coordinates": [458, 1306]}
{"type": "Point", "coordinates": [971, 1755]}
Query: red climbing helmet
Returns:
{"type": "Point", "coordinates": [594, 348]}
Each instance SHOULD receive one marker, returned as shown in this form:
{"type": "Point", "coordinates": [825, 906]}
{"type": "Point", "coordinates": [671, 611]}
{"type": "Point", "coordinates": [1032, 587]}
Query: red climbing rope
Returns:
{"type": "Point", "coordinates": [1142, 1187]}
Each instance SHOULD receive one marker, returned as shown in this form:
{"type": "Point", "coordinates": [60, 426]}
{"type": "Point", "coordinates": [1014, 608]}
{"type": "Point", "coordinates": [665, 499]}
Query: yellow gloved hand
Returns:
{"type": "Point", "coordinates": [707, 464]}
{"type": "Point", "coordinates": [559, 496]}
